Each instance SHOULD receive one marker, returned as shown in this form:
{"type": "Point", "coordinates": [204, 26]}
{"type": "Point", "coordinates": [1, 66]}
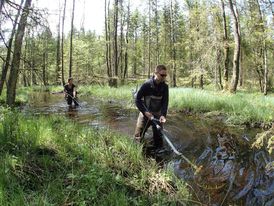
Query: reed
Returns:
{"type": "Point", "coordinates": [52, 161]}
{"type": "Point", "coordinates": [238, 108]}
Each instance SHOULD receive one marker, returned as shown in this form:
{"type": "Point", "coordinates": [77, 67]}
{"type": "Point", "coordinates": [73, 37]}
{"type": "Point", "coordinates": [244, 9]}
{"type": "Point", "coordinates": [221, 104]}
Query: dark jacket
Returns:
{"type": "Point", "coordinates": [153, 97]}
{"type": "Point", "coordinates": [69, 90]}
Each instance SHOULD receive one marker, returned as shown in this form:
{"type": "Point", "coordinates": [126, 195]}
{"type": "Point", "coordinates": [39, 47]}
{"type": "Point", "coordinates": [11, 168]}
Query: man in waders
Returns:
{"type": "Point", "coordinates": [152, 101]}
{"type": "Point", "coordinates": [70, 92]}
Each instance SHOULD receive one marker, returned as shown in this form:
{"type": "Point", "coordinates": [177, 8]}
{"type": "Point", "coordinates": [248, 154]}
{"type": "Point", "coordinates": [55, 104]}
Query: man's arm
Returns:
{"type": "Point", "coordinates": [74, 92]}
{"type": "Point", "coordinates": [165, 102]}
{"type": "Point", "coordinates": [140, 102]}
{"type": "Point", "coordinates": [65, 92]}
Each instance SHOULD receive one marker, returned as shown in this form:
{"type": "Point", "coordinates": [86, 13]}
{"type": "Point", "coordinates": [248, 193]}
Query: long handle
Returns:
{"type": "Point", "coordinates": [179, 153]}
{"type": "Point", "coordinates": [73, 99]}
{"type": "Point", "coordinates": [155, 121]}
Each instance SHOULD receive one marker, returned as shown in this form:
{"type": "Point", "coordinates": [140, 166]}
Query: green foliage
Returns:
{"type": "Point", "coordinates": [106, 92]}
{"type": "Point", "coordinates": [51, 161]}
{"type": "Point", "coordinates": [240, 108]}
{"type": "Point", "coordinates": [187, 36]}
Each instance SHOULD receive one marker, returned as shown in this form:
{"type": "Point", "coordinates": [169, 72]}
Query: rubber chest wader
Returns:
{"type": "Point", "coordinates": [69, 98]}
{"type": "Point", "coordinates": [153, 103]}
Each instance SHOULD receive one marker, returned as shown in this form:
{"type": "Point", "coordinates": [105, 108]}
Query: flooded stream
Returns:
{"type": "Point", "coordinates": [229, 171]}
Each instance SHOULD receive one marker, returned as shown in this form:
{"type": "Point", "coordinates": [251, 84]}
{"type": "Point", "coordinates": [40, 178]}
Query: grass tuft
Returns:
{"type": "Point", "coordinates": [52, 161]}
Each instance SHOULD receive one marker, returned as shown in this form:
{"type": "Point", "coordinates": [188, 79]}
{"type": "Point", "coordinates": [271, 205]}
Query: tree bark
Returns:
{"type": "Point", "coordinates": [236, 57]}
{"type": "Point", "coordinates": [1, 6]}
{"type": "Point", "coordinates": [109, 45]}
{"type": "Point", "coordinates": [157, 33]}
{"type": "Point", "coordinates": [173, 50]}
{"type": "Point", "coordinates": [149, 40]}
{"type": "Point", "coordinates": [7, 61]}
{"type": "Point", "coordinates": [32, 62]}
{"type": "Point", "coordinates": [58, 57]}
{"type": "Point", "coordinates": [265, 70]}
{"type": "Point", "coordinates": [62, 43]}
{"type": "Point", "coordinates": [11, 87]}
{"type": "Point", "coordinates": [218, 72]}
{"type": "Point", "coordinates": [115, 36]}
{"type": "Point", "coordinates": [107, 39]}
{"type": "Point", "coordinates": [127, 41]}
{"type": "Point", "coordinates": [120, 57]}
{"type": "Point", "coordinates": [71, 40]}
{"type": "Point", "coordinates": [44, 78]}
{"type": "Point", "coordinates": [226, 48]}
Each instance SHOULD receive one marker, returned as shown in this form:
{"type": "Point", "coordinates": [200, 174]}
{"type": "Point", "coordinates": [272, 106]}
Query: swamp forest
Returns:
{"type": "Point", "coordinates": [64, 143]}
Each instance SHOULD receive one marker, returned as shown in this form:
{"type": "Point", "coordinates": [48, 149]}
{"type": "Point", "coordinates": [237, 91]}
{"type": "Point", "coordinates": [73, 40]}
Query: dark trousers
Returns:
{"type": "Point", "coordinates": [70, 99]}
{"type": "Point", "coordinates": [142, 126]}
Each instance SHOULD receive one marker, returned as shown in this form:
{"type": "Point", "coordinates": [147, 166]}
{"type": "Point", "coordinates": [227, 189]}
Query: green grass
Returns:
{"type": "Point", "coordinates": [238, 108]}
{"type": "Point", "coordinates": [51, 161]}
{"type": "Point", "coordinates": [106, 92]}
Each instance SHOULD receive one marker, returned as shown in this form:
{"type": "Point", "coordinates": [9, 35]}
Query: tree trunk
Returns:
{"type": "Point", "coordinates": [218, 71]}
{"type": "Point", "coordinates": [263, 49]}
{"type": "Point", "coordinates": [58, 58]}
{"type": "Point", "coordinates": [226, 48]}
{"type": "Point", "coordinates": [121, 42]}
{"type": "Point", "coordinates": [107, 39]}
{"type": "Point", "coordinates": [174, 72]}
{"type": "Point", "coordinates": [115, 41]}
{"type": "Point", "coordinates": [236, 57]}
{"type": "Point", "coordinates": [241, 72]}
{"type": "Point", "coordinates": [71, 38]}
{"type": "Point", "coordinates": [127, 41]}
{"type": "Point", "coordinates": [265, 70]}
{"type": "Point", "coordinates": [25, 81]}
{"type": "Point", "coordinates": [32, 51]}
{"type": "Point", "coordinates": [62, 43]}
{"type": "Point", "coordinates": [11, 87]}
{"type": "Point", "coordinates": [149, 40]}
{"type": "Point", "coordinates": [260, 77]}
{"type": "Point", "coordinates": [7, 61]}
{"type": "Point", "coordinates": [1, 6]}
{"type": "Point", "coordinates": [44, 69]}
{"type": "Point", "coordinates": [202, 81]}
{"type": "Point", "coordinates": [157, 33]}
{"type": "Point", "coordinates": [135, 53]}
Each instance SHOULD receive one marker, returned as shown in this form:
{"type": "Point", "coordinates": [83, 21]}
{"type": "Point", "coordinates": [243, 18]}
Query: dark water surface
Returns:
{"type": "Point", "coordinates": [230, 172]}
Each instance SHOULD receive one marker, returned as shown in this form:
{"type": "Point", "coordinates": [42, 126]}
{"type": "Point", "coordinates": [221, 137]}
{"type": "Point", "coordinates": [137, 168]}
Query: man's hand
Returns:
{"type": "Point", "coordinates": [148, 115]}
{"type": "Point", "coordinates": [162, 119]}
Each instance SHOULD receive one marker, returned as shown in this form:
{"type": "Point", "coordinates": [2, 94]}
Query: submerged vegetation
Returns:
{"type": "Point", "coordinates": [51, 161]}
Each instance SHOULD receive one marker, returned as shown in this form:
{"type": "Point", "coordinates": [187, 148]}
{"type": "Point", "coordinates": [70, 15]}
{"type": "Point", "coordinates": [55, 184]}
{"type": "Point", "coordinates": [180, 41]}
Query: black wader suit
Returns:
{"type": "Point", "coordinates": [69, 90]}
{"type": "Point", "coordinates": [152, 98]}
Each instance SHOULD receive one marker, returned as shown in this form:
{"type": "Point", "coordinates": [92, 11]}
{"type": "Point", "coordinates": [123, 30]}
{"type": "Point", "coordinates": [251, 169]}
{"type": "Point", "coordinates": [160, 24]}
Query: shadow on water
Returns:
{"type": "Point", "coordinates": [231, 172]}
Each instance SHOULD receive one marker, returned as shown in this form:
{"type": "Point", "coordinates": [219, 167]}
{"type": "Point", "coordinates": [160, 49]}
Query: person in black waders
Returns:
{"type": "Point", "coordinates": [152, 101]}
{"type": "Point", "coordinates": [70, 92]}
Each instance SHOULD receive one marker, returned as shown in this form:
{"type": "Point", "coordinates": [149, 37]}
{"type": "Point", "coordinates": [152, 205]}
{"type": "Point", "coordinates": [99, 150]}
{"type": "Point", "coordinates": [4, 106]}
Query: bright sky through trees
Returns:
{"type": "Point", "coordinates": [88, 13]}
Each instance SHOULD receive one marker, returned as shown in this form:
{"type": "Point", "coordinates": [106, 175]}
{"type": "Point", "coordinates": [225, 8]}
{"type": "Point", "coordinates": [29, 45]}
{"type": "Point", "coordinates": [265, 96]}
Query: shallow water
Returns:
{"type": "Point", "coordinates": [222, 180]}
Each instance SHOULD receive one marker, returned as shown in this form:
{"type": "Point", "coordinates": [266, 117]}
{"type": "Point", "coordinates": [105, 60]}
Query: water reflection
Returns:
{"type": "Point", "coordinates": [72, 112]}
{"type": "Point", "coordinates": [228, 163]}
